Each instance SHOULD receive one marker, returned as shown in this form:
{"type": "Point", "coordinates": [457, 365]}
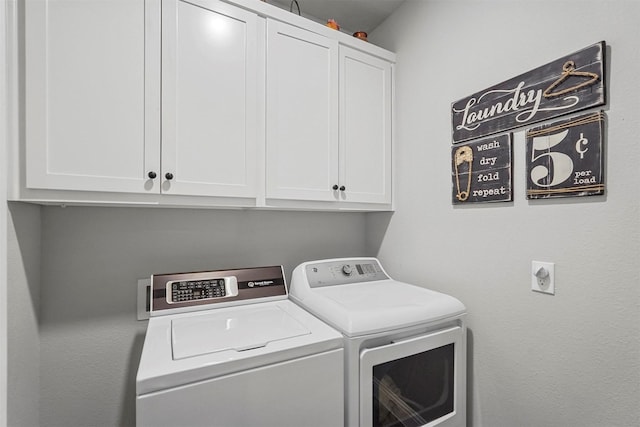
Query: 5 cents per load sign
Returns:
{"type": "Point", "coordinates": [569, 84]}
{"type": "Point", "coordinates": [481, 171]}
{"type": "Point", "coordinates": [565, 158]}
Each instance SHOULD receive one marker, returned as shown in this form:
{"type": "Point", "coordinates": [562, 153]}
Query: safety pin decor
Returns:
{"type": "Point", "coordinates": [481, 171]}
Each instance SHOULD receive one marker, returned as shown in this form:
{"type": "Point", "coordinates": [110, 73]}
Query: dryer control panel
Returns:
{"type": "Point", "coordinates": [344, 271]}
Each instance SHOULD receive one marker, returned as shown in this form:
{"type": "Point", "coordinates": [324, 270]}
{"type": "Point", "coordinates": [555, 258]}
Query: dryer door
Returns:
{"type": "Point", "coordinates": [418, 381]}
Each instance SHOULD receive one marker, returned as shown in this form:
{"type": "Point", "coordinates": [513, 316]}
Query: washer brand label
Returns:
{"type": "Point", "coordinates": [261, 283]}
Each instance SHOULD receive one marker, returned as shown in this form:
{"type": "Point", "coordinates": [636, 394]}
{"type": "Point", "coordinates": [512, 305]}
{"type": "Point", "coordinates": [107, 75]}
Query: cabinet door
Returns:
{"type": "Point", "coordinates": [86, 104]}
{"type": "Point", "coordinates": [209, 98]}
{"type": "Point", "coordinates": [365, 127]}
{"type": "Point", "coordinates": [301, 150]}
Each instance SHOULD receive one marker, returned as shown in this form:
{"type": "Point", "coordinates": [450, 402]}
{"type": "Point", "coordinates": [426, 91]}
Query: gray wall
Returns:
{"type": "Point", "coordinates": [537, 360]}
{"type": "Point", "coordinates": [23, 296]}
{"type": "Point", "coordinates": [92, 257]}
{"type": "Point", "coordinates": [566, 360]}
{"type": "Point", "coordinates": [4, 137]}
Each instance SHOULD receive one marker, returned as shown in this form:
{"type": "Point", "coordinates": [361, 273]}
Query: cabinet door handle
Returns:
{"type": "Point", "coordinates": [342, 188]}
{"type": "Point", "coordinates": [152, 175]}
{"type": "Point", "coordinates": [335, 187]}
{"type": "Point", "coordinates": [169, 176]}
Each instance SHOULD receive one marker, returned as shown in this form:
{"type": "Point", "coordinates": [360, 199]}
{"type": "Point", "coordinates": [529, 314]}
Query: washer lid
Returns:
{"type": "Point", "coordinates": [238, 331]}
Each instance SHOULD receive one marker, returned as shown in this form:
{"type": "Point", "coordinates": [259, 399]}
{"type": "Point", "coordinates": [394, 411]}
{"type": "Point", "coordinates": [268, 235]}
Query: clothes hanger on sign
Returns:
{"type": "Point", "coordinates": [569, 70]}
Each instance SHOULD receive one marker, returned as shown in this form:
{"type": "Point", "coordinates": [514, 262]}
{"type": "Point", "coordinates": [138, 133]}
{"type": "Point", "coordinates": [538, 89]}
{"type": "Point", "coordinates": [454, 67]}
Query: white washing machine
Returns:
{"type": "Point", "coordinates": [227, 348]}
{"type": "Point", "coordinates": [405, 346]}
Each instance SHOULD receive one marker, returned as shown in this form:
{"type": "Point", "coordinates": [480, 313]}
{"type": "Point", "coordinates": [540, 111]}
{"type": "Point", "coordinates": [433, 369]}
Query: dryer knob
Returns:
{"type": "Point", "coordinates": [347, 269]}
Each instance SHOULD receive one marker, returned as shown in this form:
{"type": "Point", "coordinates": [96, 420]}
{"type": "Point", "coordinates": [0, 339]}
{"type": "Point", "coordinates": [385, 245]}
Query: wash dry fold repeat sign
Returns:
{"type": "Point", "coordinates": [481, 171]}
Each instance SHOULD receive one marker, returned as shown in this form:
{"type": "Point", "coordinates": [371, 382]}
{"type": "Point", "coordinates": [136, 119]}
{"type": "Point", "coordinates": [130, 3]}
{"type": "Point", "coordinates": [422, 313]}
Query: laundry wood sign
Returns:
{"type": "Point", "coordinates": [572, 83]}
{"type": "Point", "coordinates": [565, 158]}
{"type": "Point", "coordinates": [481, 171]}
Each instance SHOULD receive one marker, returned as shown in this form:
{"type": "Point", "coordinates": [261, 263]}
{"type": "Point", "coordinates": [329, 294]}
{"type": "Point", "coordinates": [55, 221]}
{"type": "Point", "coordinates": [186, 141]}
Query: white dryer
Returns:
{"type": "Point", "coordinates": [227, 348]}
{"type": "Point", "coordinates": [405, 346]}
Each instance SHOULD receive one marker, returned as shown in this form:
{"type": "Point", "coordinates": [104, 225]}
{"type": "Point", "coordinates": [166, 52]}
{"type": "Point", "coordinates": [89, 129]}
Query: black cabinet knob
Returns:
{"type": "Point", "coordinates": [342, 188]}
{"type": "Point", "coordinates": [152, 175]}
{"type": "Point", "coordinates": [335, 187]}
{"type": "Point", "coordinates": [169, 176]}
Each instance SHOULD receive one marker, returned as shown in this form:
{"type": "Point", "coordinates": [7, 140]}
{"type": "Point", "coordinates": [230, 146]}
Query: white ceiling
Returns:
{"type": "Point", "coordinates": [351, 15]}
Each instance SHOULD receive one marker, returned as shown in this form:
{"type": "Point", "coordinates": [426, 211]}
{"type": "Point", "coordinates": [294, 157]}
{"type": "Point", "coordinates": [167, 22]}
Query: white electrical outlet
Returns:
{"type": "Point", "coordinates": [543, 277]}
{"type": "Point", "coordinates": [144, 298]}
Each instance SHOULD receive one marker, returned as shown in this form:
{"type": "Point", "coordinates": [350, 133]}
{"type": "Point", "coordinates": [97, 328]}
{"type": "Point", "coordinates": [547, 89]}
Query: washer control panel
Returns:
{"type": "Point", "coordinates": [190, 290]}
{"type": "Point", "coordinates": [344, 271]}
{"type": "Point", "coordinates": [181, 292]}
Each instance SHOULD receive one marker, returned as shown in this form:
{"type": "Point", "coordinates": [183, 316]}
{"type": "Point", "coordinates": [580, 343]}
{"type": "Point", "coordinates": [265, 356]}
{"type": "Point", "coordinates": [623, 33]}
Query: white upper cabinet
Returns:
{"type": "Point", "coordinates": [302, 114]}
{"type": "Point", "coordinates": [94, 97]}
{"type": "Point", "coordinates": [86, 103]}
{"type": "Point", "coordinates": [199, 103]}
{"type": "Point", "coordinates": [365, 127]}
{"type": "Point", "coordinates": [210, 92]}
{"type": "Point", "coordinates": [328, 120]}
